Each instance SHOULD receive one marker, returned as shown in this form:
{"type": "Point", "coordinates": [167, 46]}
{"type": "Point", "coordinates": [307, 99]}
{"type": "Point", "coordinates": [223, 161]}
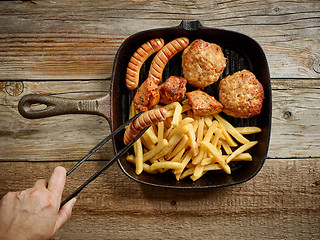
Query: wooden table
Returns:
{"type": "Point", "coordinates": [67, 48]}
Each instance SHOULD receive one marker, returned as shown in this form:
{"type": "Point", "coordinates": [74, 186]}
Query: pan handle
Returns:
{"type": "Point", "coordinates": [190, 25]}
{"type": "Point", "coordinates": [54, 106]}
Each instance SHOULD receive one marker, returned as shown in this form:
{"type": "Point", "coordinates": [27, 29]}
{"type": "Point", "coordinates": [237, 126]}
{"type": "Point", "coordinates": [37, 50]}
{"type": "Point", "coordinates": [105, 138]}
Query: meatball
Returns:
{"type": "Point", "coordinates": [202, 63]}
{"type": "Point", "coordinates": [173, 90]}
{"type": "Point", "coordinates": [241, 94]}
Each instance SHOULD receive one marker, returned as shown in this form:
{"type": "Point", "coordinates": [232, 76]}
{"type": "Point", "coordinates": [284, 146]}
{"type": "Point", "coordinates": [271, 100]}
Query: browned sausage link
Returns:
{"type": "Point", "coordinates": [144, 120]}
{"type": "Point", "coordinates": [164, 55]}
{"type": "Point", "coordinates": [130, 134]}
{"type": "Point", "coordinates": [138, 58]}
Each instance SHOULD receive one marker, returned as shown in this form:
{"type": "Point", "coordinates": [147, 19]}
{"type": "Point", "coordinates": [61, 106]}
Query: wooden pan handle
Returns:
{"type": "Point", "coordinates": [55, 106]}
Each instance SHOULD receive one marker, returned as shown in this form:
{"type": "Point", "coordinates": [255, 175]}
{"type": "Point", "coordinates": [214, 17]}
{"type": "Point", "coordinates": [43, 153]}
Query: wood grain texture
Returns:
{"type": "Point", "coordinates": [67, 48]}
{"type": "Point", "coordinates": [282, 201]}
{"type": "Point", "coordinates": [296, 118]}
{"type": "Point", "coordinates": [81, 38]}
{"type": "Point", "coordinates": [67, 137]}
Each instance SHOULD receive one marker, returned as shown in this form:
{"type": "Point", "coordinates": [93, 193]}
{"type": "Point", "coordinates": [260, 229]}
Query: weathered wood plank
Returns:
{"type": "Point", "coordinates": [66, 137]}
{"type": "Point", "coordinates": [79, 39]}
{"type": "Point", "coordinates": [282, 201]}
{"type": "Point", "coordinates": [295, 130]}
{"type": "Point", "coordinates": [296, 118]}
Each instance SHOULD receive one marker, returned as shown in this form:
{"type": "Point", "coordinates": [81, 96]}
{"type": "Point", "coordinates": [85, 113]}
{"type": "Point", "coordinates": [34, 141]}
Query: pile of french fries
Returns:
{"type": "Point", "coordinates": [189, 145]}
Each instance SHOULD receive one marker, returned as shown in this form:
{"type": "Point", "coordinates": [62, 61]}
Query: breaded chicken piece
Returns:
{"type": "Point", "coordinates": [203, 104]}
{"type": "Point", "coordinates": [147, 96]}
{"type": "Point", "coordinates": [241, 94]}
{"type": "Point", "coordinates": [173, 90]}
{"type": "Point", "coordinates": [203, 63]}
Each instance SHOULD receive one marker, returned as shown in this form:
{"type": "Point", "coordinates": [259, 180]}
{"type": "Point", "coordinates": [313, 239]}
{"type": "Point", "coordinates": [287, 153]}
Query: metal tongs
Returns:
{"type": "Point", "coordinates": [109, 163]}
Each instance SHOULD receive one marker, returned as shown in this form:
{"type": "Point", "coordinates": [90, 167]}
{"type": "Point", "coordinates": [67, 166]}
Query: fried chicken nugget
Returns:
{"type": "Point", "coordinates": [203, 104]}
{"type": "Point", "coordinates": [173, 90]}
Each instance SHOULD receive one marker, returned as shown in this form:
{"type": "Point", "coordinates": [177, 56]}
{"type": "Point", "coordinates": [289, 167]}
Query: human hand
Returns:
{"type": "Point", "coordinates": [34, 213]}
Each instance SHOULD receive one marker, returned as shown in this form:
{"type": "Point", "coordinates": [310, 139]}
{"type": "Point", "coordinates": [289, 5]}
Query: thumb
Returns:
{"type": "Point", "coordinates": [64, 214]}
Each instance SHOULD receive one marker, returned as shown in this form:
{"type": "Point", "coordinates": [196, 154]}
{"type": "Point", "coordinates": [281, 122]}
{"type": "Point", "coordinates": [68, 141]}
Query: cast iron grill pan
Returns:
{"type": "Point", "coordinates": [242, 53]}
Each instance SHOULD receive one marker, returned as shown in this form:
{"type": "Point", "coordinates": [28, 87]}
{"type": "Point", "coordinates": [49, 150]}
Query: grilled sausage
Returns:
{"type": "Point", "coordinates": [144, 120]}
{"type": "Point", "coordinates": [138, 58]}
{"type": "Point", "coordinates": [164, 55]}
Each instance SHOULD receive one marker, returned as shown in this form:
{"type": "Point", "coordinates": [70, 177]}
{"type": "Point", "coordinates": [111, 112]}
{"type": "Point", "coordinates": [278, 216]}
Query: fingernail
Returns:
{"type": "Point", "coordinates": [73, 201]}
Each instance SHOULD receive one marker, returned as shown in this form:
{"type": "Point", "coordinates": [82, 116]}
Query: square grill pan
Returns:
{"type": "Point", "coordinates": [242, 52]}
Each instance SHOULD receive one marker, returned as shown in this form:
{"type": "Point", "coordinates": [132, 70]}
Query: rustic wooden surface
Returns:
{"type": "Point", "coordinates": [67, 48]}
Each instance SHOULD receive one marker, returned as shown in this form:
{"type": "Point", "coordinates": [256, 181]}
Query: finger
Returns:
{"type": "Point", "coordinates": [64, 214]}
{"type": "Point", "coordinates": [9, 206]}
{"type": "Point", "coordinates": [57, 182]}
{"type": "Point", "coordinates": [41, 183]}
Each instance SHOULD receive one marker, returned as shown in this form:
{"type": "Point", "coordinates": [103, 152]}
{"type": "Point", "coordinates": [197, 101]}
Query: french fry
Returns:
{"type": "Point", "coordinates": [230, 129]}
{"type": "Point", "coordinates": [167, 165]}
{"type": "Point", "coordinates": [185, 160]}
{"type": "Point", "coordinates": [160, 130]}
{"type": "Point", "coordinates": [195, 178]}
{"type": "Point", "coordinates": [207, 161]}
{"type": "Point", "coordinates": [248, 130]}
{"type": "Point", "coordinates": [156, 150]}
{"type": "Point", "coordinates": [198, 171]}
{"type": "Point", "coordinates": [212, 167]}
{"type": "Point", "coordinates": [181, 124]}
{"type": "Point", "coordinates": [227, 136]}
{"type": "Point", "coordinates": [185, 108]}
{"type": "Point", "coordinates": [178, 157]}
{"type": "Point", "coordinates": [146, 167]}
{"type": "Point", "coordinates": [174, 140]}
{"type": "Point", "coordinates": [148, 145]}
{"type": "Point", "coordinates": [138, 151]}
{"type": "Point", "coordinates": [240, 157]}
{"type": "Point", "coordinates": [187, 173]}
{"type": "Point", "coordinates": [199, 156]}
{"type": "Point", "coordinates": [177, 112]}
{"type": "Point", "coordinates": [160, 170]}
{"type": "Point", "coordinates": [132, 111]}
{"type": "Point", "coordinates": [150, 136]}
{"type": "Point", "coordinates": [167, 122]}
{"type": "Point", "coordinates": [216, 137]}
{"type": "Point", "coordinates": [211, 130]}
{"type": "Point", "coordinates": [209, 134]}
{"type": "Point", "coordinates": [192, 139]}
{"type": "Point", "coordinates": [226, 147]}
{"type": "Point", "coordinates": [241, 149]}
{"type": "Point", "coordinates": [131, 158]}
{"type": "Point", "coordinates": [208, 120]}
{"type": "Point", "coordinates": [200, 130]}
{"type": "Point", "coordinates": [218, 157]}
{"type": "Point", "coordinates": [181, 145]}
